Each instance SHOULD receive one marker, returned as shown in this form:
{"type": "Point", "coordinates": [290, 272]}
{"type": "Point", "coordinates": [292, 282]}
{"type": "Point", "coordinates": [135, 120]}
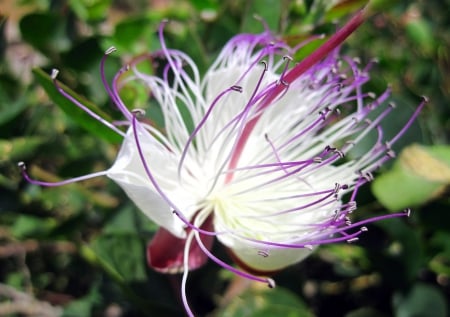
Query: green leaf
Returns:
{"type": "Point", "coordinates": [90, 10]}
{"type": "Point", "coordinates": [419, 175]}
{"type": "Point", "coordinates": [30, 226]}
{"type": "Point", "coordinates": [45, 32]}
{"type": "Point", "coordinates": [12, 100]}
{"type": "Point", "coordinates": [261, 303]}
{"type": "Point", "coordinates": [75, 113]}
{"type": "Point", "coordinates": [133, 35]}
{"type": "Point", "coordinates": [18, 149]}
{"type": "Point", "coordinates": [124, 253]}
{"type": "Point", "coordinates": [129, 220]}
{"type": "Point", "coordinates": [421, 33]}
{"type": "Point", "coordinates": [365, 312]}
{"type": "Point", "coordinates": [421, 301]}
{"type": "Point", "coordinates": [268, 10]}
{"type": "Point", "coordinates": [84, 305]}
{"type": "Point", "coordinates": [344, 8]}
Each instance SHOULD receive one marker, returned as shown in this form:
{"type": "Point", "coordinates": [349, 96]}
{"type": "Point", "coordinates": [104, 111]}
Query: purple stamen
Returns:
{"type": "Point", "coordinates": [81, 106]}
{"type": "Point", "coordinates": [230, 268]}
{"type": "Point", "coordinates": [25, 175]}
{"type": "Point", "coordinates": [176, 210]}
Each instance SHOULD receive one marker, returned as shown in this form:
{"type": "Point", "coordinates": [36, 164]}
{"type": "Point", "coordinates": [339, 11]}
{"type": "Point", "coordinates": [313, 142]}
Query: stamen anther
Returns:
{"type": "Point", "coordinates": [110, 50]}
{"type": "Point", "coordinates": [54, 73]}
{"type": "Point", "coordinates": [139, 113]}
{"type": "Point", "coordinates": [22, 165]}
{"type": "Point", "coordinates": [266, 67]}
{"type": "Point", "coordinates": [236, 88]}
{"type": "Point", "coordinates": [271, 283]}
{"type": "Point", "coordinates": [337, 187]}
{"type": "Point", "coordinates": [390, 154]}
{"type": "Point", "coordinates": [407, 211]}
{"type": "Point", "coordinates": [371, 95]}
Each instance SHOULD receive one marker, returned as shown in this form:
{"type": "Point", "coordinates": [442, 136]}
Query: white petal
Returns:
{"type": "Point", "coordinates": [265, 258]}
{"type": "Point", "coordinates": [128, 171]}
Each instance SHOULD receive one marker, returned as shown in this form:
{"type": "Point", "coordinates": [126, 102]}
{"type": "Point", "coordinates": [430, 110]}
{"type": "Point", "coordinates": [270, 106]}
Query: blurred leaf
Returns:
{"type": "Point", "coordinates": [27, 226]}
{"type": "Point", "coordinates": [121, 256]}
{"type": "Point", "coordinates": [45, 32]}
{"type": "Point", "coordinates": [129, 220]}
{"type": "Point", "coordinates": [421, 301]}
{"type": "Point", "coordinates": [10, 109]}
{"type": "Point", "coordinates": [442, 240]}
{"type": "Point", "coordinates": [348, 260]}
{"type": "Point", "coordinates": [124, 253]}
{"type": "Point", "coordinates": [83, 306]}
{"type": "Point", "coordinates": [365, 312]}
{"type": "Point", "coordinates": [85, 55]}
{"type": "Point", "coordinates": [90, 10]}
{"type": "Point", "coordinates": [419, 175]}
{"type": "Point", "coordinates": [268, 10]}
{"type": "Point", "coordinates": [255, 302]}
{"type": "Point", "coordinates": [406, 254]}
{"type": "Point", "coordinates": [19, 148]}
{"type": "Point", "coordinates": [133, 35]}
{"type": "Point", "coordinates": [75, 113]}
{"type": "Point", "coordinates": [420, 32]}
{"type": "Point", "coordinates": [205, 4]}
{"type": "Point", "coordinates": [3, 43]}
{"type": "Point", "coordinates": [343, 8]}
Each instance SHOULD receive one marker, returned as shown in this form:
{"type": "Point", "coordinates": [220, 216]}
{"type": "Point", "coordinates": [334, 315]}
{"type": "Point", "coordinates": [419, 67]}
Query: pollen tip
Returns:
{"type": "Point", "coordinates": [390, 154]}
{"type": "Point", "coordinates": [257, 17]}
{"type": "Point", "coordinates": [317, 159]}
{"type": "Point", "coordinates": [392, 105]}
{"type": "Point", "coordinates": [110, 50]}
{"type": "Point", "coordinates": [265, 65]}
{"type": "Point", "coordinates": [407, 211]}
{"type": "Point", "coordinates": [54, 73]}
{"type": "Point", "coordinates": [364, 229]}
{"type": "Point", "coordinates": [425, 99]}
{"type": "Point", "coordinates": [271, 283]}
{"type": "Point", "coordinates": [22, 165]}
{"type": "Point", "coordinates": [236, 88]}
{"type": "Point", "coordinates": [138, 112]}
{"type": "Point", "coordinates": [322, 36]}
{"type": "Point", "coordinates": [309, 247]}
{"type": "Point", "coordinates": [283, 82]}
{"type": "Point", "coordinates": [351, 240]}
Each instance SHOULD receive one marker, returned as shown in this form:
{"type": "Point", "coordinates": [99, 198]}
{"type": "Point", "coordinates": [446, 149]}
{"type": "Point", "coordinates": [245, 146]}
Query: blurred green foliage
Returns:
{"type": "Point", "coordinates": [79, 250]}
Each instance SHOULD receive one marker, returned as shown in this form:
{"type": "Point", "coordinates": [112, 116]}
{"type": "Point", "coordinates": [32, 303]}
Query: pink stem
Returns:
{"type": "Point", "coordinates": [333, 42]}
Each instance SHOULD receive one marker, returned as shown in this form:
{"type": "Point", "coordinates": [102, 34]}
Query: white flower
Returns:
{"type": "Point", "coordinates": [257, 153]}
